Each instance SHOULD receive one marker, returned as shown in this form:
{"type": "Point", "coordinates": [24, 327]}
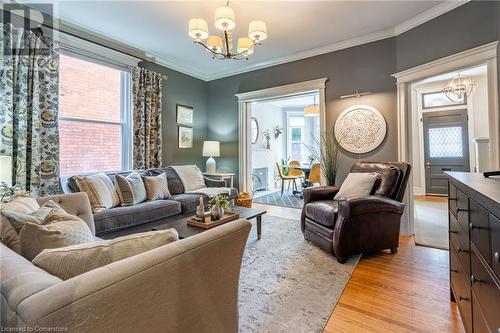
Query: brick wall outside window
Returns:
{"type": "Point", "coordinates": [88, 91]}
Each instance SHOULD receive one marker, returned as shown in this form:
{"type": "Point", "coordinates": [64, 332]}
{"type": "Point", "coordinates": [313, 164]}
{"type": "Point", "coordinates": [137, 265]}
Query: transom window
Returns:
{"type": "Point", "coordinates": [94, 116]}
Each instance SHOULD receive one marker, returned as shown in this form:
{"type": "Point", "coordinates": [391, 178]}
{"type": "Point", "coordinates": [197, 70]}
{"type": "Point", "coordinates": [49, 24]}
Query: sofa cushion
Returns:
{"type": "Point", "coordinates": [189, 201]}
{"type": "Point", "coordinates": [59, 230]}
{"type": "Point", "coordinates": [174, 182]}
{"type": "Point", "coordinates": [157, 187]}
{"type": "Point", "coordinates": [131, 189]}
{"type": "Point", "coordinates": [122, 217]}
{"type": "Point", "coordinates": [323, 212]}
{"type": "Point", "coordinates": [71, 261]}
{"type": "Point", "coordinates": [101, 191]}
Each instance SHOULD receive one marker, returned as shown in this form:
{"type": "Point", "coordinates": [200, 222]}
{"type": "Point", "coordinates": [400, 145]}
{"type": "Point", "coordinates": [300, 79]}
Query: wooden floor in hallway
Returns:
{"type": "Point", "coordinates": [405, 292]}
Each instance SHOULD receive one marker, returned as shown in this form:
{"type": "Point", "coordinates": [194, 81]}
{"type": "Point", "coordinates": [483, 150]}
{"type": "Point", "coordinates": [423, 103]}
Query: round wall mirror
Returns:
{"type": "Point", "coordinates": [255, 130]}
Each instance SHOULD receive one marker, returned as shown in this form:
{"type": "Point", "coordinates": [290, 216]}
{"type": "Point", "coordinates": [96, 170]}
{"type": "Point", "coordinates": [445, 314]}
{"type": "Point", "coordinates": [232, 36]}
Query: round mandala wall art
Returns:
{"type": "Point", "coordinates": [360, 129]}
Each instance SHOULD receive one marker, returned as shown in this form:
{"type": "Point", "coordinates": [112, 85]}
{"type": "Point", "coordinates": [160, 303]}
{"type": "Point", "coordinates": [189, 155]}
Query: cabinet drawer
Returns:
{"type": "Point", "coordinates": [462, 210]}
{"type": "Point", "coordinates": [479, 324]}
{"type": "Point", "coordinates": [486, 291]}
{"type": "Point", "coordinates": [495, 245]}
{"type": "Point", "coordinates": [461, 290]}
{"type": "Point", "coordinates": [459, 242]}
{"type": "Point", "coordinates": [480, 229]}
{"type": "Point", "coordinates": [452, 199]}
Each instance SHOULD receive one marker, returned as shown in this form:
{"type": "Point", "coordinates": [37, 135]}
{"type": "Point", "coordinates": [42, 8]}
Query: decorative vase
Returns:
{"type": "Point", "coordinates": [267, 145]}
{"type": "Point", "coordinates": [217, 212]}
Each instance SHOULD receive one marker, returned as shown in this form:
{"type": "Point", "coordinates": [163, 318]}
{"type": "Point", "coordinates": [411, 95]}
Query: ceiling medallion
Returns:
{"type": "Point", "coordinates": [459, 88]}
{"type": "Point", "coordinates": [221, 46]}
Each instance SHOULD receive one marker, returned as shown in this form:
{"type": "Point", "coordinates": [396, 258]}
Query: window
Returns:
{"type": "Point", "coordinates": [445, 142]}
{"type": "Point", "coordinates": [94, 116]}
{"type": "Point", "coordinates": [438, 99]}
{"type": "Point", "coordinates": [296, 128]}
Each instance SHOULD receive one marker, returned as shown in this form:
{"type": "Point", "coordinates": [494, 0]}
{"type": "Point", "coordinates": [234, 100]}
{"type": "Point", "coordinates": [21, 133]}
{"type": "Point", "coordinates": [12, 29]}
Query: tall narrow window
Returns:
{"type": "Point", "coordinates": [296, 128]}
{"type": "Point", "coordinates": [94, 116]}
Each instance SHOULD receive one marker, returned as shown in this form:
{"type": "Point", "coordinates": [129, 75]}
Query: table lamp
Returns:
{"type": "Point", "coordinates": [6, 169]}
{"type": "Point", "coordinates": [211, 149]}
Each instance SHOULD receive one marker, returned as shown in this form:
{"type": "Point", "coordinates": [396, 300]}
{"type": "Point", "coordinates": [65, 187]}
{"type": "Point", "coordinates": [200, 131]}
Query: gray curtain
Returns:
{"type": "Point", "coordinates": [29, 102]}
{"type": "Point", "coordinates": [146, 93]}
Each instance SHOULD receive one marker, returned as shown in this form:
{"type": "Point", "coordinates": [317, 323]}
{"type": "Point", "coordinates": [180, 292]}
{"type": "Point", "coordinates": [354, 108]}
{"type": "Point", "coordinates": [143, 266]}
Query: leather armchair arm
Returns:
{"type": "Point", "coordinates": [368, 205]}
{"type": "Point", "coordinates": [319, 193]}
{"type": "Point", "coordinates": [215, 182]}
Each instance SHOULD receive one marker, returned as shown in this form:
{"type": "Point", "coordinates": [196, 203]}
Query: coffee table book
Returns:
{"type": "Point", "coordinates": [228, 216]}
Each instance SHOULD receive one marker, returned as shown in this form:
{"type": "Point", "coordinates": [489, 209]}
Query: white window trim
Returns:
{"type": "Point", "coordinates": [126, 132]}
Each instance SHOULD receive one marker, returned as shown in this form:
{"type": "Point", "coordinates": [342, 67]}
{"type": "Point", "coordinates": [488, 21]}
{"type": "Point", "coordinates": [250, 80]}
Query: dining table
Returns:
{"type": "Point", "coordinates": [306, 169]}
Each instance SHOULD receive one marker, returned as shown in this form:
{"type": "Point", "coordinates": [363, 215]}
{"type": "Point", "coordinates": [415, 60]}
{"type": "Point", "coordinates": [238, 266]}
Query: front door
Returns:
{"type": "Point", "coordinates": [446, 147]}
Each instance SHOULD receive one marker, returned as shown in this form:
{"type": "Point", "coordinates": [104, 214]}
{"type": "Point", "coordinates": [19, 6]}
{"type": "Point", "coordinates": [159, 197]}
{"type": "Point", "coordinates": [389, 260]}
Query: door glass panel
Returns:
{"type": "Point", "coordinates": [445, 142]}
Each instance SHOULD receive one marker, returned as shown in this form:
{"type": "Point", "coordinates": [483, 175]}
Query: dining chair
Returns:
{"type": "Point", "coordinates": [315, 174]}
{"type": "Point", "coordinates": [287, 177]}
{"type": "Point", "coordinates": [293, 171]}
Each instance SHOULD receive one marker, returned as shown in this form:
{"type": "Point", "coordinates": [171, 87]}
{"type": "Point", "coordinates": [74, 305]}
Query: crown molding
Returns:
{"type": "Point", "coordinates": [415, 21]}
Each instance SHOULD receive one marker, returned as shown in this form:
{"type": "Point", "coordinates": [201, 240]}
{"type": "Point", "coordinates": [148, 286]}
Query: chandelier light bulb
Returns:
{"type": "Point", "coordinates": [224, 18]}
{"type": "Point", "coordinates": [198, 29]}
{"type": "Point", "coordinates": [257, 31]}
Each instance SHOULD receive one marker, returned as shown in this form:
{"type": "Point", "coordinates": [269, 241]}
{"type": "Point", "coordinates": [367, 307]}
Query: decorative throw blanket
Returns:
{"type": "Point", "coordinates": [193, 181]}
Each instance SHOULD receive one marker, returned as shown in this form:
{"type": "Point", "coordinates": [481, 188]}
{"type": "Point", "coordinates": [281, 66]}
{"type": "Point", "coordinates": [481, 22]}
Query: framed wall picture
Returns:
{"type": "Point", "coordinates": [184, 114]}
{"type": "Point", "coordinates": [185, 137]}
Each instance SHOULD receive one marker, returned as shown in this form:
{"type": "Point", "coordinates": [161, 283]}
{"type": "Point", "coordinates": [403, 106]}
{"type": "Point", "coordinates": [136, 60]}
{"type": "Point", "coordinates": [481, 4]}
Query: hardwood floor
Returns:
{"type": "Point", "coordinates": [405, 292]}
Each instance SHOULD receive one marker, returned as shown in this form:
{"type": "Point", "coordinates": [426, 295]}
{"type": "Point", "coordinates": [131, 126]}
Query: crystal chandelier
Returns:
{"type": "Point", "coordinates": [221, 46]}
{"type": "Point", "coordinates": [459, 88]}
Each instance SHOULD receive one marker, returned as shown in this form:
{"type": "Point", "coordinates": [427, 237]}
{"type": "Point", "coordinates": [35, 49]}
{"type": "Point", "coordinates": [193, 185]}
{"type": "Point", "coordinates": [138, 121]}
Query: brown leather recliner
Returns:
{"type": "Point", "coordinates": [357, 224]}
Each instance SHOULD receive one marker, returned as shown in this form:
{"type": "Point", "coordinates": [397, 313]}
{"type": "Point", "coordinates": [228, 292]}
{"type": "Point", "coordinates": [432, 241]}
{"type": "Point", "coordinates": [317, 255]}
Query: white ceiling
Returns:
{"type": "Point", "coordinates": [296, 29]}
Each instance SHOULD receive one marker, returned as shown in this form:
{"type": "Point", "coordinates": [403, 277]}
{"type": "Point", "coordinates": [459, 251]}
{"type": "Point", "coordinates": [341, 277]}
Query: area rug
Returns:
{"type": "Point", "coordinates": [276, 199]}
{"type": "Point", "coordinates": [286, 283]}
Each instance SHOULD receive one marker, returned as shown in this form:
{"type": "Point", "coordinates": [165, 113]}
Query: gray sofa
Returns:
{"type": "Point", "coordinates": [187, 286]}
{"type": "Point", "coordinates": [118, 218]}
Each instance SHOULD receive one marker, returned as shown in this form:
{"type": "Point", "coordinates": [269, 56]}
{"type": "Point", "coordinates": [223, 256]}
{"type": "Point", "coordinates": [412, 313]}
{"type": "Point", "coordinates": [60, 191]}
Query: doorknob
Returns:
{"type": "Point", "coordinates": [428, 164]}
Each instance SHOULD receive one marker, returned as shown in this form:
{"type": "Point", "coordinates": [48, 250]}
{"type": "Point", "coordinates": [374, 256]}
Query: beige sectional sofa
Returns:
{"type": "Point", "coordinates": [190, 285]}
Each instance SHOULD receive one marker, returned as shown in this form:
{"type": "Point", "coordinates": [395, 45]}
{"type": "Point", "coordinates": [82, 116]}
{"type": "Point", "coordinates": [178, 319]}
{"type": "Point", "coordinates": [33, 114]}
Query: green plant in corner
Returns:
{"type": "Point", "coordinates": [284, 166]}
{"type": "Point", "coordinates": [326, 150]}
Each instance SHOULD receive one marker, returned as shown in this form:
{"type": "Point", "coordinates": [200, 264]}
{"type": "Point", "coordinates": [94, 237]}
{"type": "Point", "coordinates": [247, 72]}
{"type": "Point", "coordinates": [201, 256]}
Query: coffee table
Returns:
{"type": "Point", "coordinates": [185, 230]}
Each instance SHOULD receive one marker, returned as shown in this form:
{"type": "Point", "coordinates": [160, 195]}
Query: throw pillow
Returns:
{"type": "Point", "coordinates": [8, 236]}
{"type": "Point", "coordinates": [357, 184]}
{"type": "Point", "coordinates": [191, 177]}
{"type": "Point", "coordinates": [58, 230]}
{"type": "Point", "coordinates": [102, 194]}
{"type": "Point", "coordinates": [131, 189]}
{"type": "Point", "coordinates": [71, 261]}
{"type": "Point", "coordinates": [156, 187]}
{"type": "Point", "coordinates": [24, 205]}
{"type": "Point", "coordinates": [18, 219]}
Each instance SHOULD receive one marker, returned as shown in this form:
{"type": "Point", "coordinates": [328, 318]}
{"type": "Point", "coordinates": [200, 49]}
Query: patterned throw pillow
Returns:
{"type": "Point", "coordinates": [18, 219]}
{"type": "Point", "coordinates": [100, 189]}
{"type": "Point", "coordinates": [131, 189]}
{"type": "Point", "coordinates": [71, 261]}
{"type": "Point", "coordinates": [156, 187]}
{"type": "Point", "coordinates": [58, 230]}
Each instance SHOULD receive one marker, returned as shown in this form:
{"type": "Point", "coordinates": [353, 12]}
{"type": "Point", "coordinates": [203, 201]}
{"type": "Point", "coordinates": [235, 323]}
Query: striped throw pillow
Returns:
{"type": "Point", "coordinates": [130, 189]}
{"type": "Point", "coordinates": [157, 187]}
{"type": "Point", "coordinates": [100, 189]}
{"type": "Point", "coordinates": [71, 261]}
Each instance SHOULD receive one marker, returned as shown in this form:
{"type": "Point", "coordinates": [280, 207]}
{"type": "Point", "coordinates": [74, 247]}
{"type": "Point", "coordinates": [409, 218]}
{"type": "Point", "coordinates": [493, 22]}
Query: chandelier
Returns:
{"type": "Point", "coordinates": [221, 46]}
{"type": "Point", "coordinates": [459, 88]}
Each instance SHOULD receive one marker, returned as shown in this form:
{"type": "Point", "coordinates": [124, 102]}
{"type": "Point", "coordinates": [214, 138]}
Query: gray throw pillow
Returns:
{"type": "Point", "coordinates": [357, 184]}
{"type": "Point", "coordinates": [131, 189]}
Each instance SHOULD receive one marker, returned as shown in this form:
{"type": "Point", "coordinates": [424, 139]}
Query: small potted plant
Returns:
{"type": "Point", "coordinates": [217, 205]}
{"type": "Point", "coordinates": [267, 137]}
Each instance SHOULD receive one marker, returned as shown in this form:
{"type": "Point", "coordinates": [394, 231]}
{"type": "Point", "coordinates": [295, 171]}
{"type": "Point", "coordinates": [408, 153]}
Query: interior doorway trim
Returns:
{"type": "Point", "coordinates": [244, 118]}
{"type": "Point", "coordinates": [485, 54]}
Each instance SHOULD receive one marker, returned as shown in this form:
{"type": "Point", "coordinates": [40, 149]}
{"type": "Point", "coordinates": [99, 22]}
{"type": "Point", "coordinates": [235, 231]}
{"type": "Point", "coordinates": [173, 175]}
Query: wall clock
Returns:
{"type": "Point", "coordinates": [360, 129]}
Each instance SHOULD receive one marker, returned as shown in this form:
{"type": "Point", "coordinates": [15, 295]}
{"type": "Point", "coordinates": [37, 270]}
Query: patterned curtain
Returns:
{"type": "Point", "coordinates": [146, 92]}
{"type": "Point", "coordinates": [29, 98]}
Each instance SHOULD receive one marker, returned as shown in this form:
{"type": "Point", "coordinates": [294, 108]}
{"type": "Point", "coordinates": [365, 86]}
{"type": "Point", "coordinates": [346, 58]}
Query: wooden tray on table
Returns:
{"type": "Point", "coordinates": [228, 216]}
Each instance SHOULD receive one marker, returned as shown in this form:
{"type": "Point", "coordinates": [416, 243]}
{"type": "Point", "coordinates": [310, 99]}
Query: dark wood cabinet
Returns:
{"type": "Point", "coordinates": [474, 229]}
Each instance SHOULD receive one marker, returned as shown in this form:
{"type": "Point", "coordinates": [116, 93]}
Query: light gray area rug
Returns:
{"type": "Point", "coordinates": [286, 283]}
{"type": "Point", "coordinates": [285, 200]}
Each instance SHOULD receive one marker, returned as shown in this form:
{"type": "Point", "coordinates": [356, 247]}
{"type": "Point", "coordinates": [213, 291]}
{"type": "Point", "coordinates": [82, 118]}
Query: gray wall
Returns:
{"type": "Point", "coordinates": [366, 67]}
{"type": "Point", "coordinates": [182, 89]}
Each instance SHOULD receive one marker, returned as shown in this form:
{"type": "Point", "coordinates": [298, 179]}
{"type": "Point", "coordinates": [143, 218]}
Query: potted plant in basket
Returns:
{"type": "Point", "coordinates": [217, 205]}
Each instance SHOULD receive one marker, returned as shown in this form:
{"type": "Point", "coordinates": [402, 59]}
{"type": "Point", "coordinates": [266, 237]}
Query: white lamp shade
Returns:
{"type": "Point", "coordinates": [224, 18]}
{"type": "Point", "coordinates": [211, 148]}
{"type": "Point", "coordinates": [245, 44]}
{"type": "Point", "coordinates": [198, 28]}
{"type": "Point", "coordinates": [311, 111]}
{"type": "Point", "coordinates": [215, 43]}
{"type": "Point", "coordinates": [6, 170]}
{"type": "Point", "coordinates": [257, 31]}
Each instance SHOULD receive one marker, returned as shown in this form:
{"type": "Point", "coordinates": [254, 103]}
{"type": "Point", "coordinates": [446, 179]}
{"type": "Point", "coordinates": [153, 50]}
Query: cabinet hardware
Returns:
{"type": "Point", "coordinates": [472, 226]}
{"type": "Point", "coordinates": [461, 250]}
{"type": "Point", "coordinates": [497, 257]}
{"type": "Point", "coordinates": [461, 298]}
{"type": "Point", "coordinates": [474, 279]}
{"type": "Point", "coordinates": [461, 210]}
{"type": "Point", "coordinates": [452, 199]}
